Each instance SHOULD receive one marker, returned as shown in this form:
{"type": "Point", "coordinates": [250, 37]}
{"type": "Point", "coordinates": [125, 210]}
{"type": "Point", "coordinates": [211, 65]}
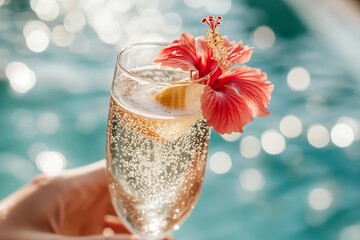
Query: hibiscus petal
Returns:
{"type": "Point", "coordinates": [251, 84]}
{"type": "Point", "coordinates": [237, 52]}
{"type": "Point", "coordinates": [207, 63]}
{"type": "Point", "coordinates": [180, 53]}
{"type": "Point", "coordinates": [205, 50]}
{"type": "Point", "coordinates": [225, 110]}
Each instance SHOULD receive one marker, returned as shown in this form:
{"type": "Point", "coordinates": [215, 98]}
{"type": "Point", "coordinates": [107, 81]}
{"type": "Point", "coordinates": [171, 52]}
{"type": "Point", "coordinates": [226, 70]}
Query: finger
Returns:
{"type": "Point", "coordinates": [115, 224]}
{"type": "Point", "coordinates": [110, 208]}
{"type": "Point", "coordinates": [47, 236]}
{"type": "Point", "coordinates": [89, 174]}
{"type": "Point", "coordinates": [100, 237]}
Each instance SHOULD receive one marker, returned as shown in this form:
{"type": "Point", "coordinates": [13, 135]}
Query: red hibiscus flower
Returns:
{"type": "Point", "coordinates": [233, 95]}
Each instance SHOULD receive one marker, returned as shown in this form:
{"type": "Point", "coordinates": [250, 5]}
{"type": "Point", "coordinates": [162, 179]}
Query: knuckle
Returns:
{"type": "Point", "coordinates": [43, 181]}
{"type": "Point", "coordinates": [40, 180]}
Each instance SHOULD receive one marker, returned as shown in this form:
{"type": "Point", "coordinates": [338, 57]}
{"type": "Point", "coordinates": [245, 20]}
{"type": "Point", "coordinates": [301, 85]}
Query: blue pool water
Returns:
{"type": "Point", "coordinates": [303, 183]}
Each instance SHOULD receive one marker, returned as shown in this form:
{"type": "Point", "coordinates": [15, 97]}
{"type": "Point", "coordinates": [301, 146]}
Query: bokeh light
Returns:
{"type": "Point", "coordinates": [251, 179]}
{"type": "Point", "coordinates": [22, 79]}
{"type": "Point", "coordinates": [318, 136]}
{"type": "Point", "coordinates": [46, 10]}
{"type": "Point", "coordinates": [74, 21]}
{"type": "Point", "coordinates": [250, 147]}
{"type": "Point", "coordinates": [320, 199]}
{"type": "Point", "coordinates": [273, 142]}
{"type": "Point", "coordinates": [35, 25]}
{"type": "Point", "coordinates": [342, 135]}
{"type": "Point", "coordinates": [37, 35]}
{"type": "Point", "coordinates": [351, 232]}
{"type": "Point", "coordinates": [194, 4]}
{"type": "Point", "coordinates": [62, 37]}
{"type": "Point", "coordinates": [264, 37]}
{"type": "Point", "coordinates": [290, 126]}
{"type": "Point", "coordinates": [151, 19]}
{"type": "Point", "coordinates": [173, 23]}
{"type": "Point", "coordinates": [216, 7]}
{"type": "Point", "coordinates": [106, 27]}
{"type": "Point", "coordinates": [133, 27]}
{"type": "Point", "coordinates": [142, 5]}
{"type": "Point", "coordinates": [232, 137]}
{"type": "Point", "coordinates": [298, 79]}
{"type": "Point", "coordinates": [50, 163]}
{"type": "Point", "coordinates": [220, 162]}
{"type": "Point", "coordinates": [122, 6]}
{"type": "Point", "coordinates": [351, 123]}
{"type": "Point", "coordinates": [37, 41]}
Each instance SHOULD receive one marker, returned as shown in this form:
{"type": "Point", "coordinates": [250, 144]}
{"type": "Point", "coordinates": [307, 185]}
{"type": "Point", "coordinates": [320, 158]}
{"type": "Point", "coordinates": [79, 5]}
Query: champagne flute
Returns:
{"type": "Point", "coordinates": [157, 142]}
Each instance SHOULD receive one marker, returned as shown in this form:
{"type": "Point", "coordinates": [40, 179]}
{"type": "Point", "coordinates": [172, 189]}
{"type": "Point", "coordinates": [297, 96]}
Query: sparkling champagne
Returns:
{"type": "Point", "coordinates": [156, 155]}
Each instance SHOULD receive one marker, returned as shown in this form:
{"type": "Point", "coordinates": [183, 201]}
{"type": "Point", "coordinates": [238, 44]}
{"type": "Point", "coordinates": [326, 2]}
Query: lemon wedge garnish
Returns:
{"type": "Point", "coordinates": [184, 96]}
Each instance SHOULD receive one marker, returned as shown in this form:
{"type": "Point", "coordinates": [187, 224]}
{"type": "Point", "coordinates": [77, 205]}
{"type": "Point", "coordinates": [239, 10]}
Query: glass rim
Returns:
{"type": "Point", "coordinates": [155, 44]}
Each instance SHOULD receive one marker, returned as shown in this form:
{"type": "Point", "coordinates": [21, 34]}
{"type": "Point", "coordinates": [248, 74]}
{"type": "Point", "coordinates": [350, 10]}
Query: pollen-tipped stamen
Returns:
{"type": "Point", "coordinates": [216, 42]}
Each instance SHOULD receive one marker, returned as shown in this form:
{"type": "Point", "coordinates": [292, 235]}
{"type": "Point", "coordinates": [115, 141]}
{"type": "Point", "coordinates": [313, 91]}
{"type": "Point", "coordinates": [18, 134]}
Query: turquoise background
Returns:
{"type": "Point", "coordinates": [316, 35]}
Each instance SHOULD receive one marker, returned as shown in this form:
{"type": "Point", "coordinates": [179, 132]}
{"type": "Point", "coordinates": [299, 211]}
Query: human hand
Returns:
{"type": "Point", "coordinates": [72, 206]}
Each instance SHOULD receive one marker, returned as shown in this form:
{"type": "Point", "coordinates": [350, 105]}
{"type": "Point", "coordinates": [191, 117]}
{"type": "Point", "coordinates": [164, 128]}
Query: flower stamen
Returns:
{"type": "Point", "coordinates": [216, 42]}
